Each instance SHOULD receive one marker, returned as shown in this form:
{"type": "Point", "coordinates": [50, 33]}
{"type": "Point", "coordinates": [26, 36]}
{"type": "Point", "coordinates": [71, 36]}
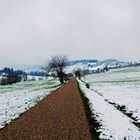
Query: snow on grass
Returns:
{"type": "Point", "coordinates": [125, 95]}
{"type": "Point", "coordinates": [120, 87]}
{"type": "Point", "coordinates": [114, 125]}
{"type": "Point", "coordinates": [36, 85]}
{"type": "Point", "coordinates": [22, 97]}
{"type": "Point", "coordinates": [116, 76]}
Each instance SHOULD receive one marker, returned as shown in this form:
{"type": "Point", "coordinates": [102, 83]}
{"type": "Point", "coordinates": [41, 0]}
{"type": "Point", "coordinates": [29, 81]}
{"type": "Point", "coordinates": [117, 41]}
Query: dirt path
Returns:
{"type": "Point", "coordinates": [60, 116]}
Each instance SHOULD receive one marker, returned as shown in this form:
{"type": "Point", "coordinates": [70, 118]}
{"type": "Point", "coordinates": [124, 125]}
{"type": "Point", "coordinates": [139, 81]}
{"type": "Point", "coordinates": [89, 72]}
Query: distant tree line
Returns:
{"type": "Point", "coordinates": [37, 73]}
{"type": "Point", "coordinates": [10, 71]}
{"type": "Point", "coordinates": [10, 76]}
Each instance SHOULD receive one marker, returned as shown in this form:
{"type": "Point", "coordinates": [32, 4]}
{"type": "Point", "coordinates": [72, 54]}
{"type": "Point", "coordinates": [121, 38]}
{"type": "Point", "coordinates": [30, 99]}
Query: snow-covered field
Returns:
{"type": "Point", "coordinates": [115, 96]}
{"type": "Point", "coordinates": [17, 98]}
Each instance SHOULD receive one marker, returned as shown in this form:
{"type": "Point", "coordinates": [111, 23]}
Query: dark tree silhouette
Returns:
{"type": "Point", "coordinates": [56, 66]}
{"type": "Point", "coordinates": [78, 74]}
{"type": "Point", "coordinates": [11, 76]}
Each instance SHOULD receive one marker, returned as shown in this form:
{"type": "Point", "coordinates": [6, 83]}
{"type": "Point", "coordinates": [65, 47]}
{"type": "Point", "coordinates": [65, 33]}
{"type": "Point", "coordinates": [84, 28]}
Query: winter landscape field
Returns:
{"type": "Point", "coordinates": [17, 98]}
{"type": "Point", "coordinates": [70, 70]}
{"type": "Point", "coordinates": [114, 99]}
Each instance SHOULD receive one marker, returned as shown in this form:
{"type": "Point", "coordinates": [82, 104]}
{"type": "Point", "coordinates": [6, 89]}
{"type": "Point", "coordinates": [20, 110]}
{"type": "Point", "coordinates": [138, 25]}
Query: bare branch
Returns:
{"type": "Point", "coordinates": [56, 65]}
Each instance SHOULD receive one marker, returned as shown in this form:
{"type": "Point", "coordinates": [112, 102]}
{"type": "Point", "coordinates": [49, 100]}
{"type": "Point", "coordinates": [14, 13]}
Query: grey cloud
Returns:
{"type": "Point", "coordinates": [33, 30]}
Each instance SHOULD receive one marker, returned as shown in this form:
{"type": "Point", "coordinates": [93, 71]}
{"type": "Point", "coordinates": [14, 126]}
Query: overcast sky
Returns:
{"type": "Point", "coordinates": [31, 31]}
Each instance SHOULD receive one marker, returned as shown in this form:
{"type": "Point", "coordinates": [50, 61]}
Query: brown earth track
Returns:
{"type": "Point", "coordinates": [60, 116]}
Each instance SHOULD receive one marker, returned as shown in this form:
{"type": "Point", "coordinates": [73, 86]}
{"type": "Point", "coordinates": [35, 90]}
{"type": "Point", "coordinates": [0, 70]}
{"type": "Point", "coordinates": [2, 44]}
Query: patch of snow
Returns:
{"type": "Point", "coordinates": [122, 95]}
{"type": "Point", "coordinates": [35, 78]}
{"type": "Point", "coordinates": [84, 66]}
{"type": "Point", "coordinates": [13, 103]}
{"type": "Point", "coordinates": [114, 124]}
{"type": "Point", "coordinates": [120, 87]}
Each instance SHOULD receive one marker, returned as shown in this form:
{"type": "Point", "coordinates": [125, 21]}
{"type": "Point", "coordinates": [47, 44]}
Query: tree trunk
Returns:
{"type": "Point", "coordinates": [61, 76]}
{"type": "Point", "coordinates": [61, 80]}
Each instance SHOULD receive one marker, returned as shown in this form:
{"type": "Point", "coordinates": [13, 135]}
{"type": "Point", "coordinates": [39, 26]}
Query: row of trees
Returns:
{"type": "Point", "coordinates": [10, 71]}
{"type": "Point", "coordinates": [37, 73]}
{"type": "Point", "coordinates": [56, 66]}
{"type": "Point", "coordinates": [11, 76]}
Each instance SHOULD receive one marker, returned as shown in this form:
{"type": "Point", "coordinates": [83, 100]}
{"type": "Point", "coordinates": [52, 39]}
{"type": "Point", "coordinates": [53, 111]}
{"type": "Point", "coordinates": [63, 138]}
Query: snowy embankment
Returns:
{"type": "Point", "coordinates": [113, 124]}
{"type": "Point", "coordinates": [126, 96]}
{"type": "Point", "coordinates": [120, 87]}
{"type": "Point", "coordinates": [21, 97]}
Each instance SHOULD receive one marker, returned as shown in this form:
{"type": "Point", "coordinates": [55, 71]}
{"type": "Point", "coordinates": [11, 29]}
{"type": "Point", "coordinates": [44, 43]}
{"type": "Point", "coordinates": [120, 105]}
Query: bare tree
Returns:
{"type": "Point", "coordinates": [56, 65]}
{"type": "Point", "coordinates": [78, 73]}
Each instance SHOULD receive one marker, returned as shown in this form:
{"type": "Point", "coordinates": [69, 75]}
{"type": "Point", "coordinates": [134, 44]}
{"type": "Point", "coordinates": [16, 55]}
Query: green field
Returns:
{"type": "Point", "coordinates": [128, 75]}
{"type": "Point", "coordinates": [31, 85]}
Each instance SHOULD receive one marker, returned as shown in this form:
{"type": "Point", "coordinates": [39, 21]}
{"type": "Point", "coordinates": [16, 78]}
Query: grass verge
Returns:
{"type": "Point", "coordinates": [93, 124]}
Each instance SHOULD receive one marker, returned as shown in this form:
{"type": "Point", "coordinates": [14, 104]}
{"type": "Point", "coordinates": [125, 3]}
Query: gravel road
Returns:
{"type": "Point", "coordinates": [60, 116]}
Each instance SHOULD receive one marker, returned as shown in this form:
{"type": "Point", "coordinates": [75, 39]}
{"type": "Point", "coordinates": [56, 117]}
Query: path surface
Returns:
{"type": "Point", "coordinates": [60, 116]}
